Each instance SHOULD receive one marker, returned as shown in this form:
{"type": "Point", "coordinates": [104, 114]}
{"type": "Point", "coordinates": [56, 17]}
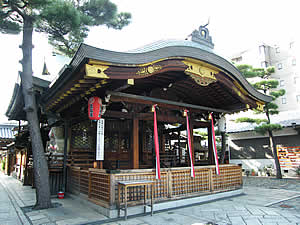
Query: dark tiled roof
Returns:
{"type": "Point", "coordinates": [6, 131]}
{"type": "Point", "coordinates": [285, 119]}
{"type": "Point", "coordinates": [15, 108]}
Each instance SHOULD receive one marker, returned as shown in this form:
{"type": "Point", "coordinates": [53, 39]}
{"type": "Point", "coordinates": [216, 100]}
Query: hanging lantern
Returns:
{"type": "Point", "coordinates": [95, 108]}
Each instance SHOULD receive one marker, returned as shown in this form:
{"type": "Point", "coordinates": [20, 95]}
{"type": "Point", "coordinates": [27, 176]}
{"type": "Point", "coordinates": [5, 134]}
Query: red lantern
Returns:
{"type": "Point", "coordinates": [95, 105]}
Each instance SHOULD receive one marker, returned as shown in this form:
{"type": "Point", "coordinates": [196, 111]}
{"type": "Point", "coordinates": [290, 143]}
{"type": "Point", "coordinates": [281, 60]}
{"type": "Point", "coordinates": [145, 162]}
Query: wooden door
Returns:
{"type": "Point", "coordinates": [117, 144]}
{"type": "Point", "coordinates": [147, 150]}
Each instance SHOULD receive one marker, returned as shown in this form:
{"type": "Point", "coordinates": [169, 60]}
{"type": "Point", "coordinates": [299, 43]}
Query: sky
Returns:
{"type": "Point", "coordinates": [235, 26]}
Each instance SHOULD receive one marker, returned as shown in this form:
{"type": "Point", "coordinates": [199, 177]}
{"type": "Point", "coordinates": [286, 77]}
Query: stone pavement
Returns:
{"type": "Point", "coordinates": [273, 183]}
{"type": "Point", "coordinates": [248, 209]}
{"type": "Point", "coordinates": [70, 211]}
{"type": "Point", "coordinates": [10, 212]}
{"type": "Point", "coordinates": [277, 204]}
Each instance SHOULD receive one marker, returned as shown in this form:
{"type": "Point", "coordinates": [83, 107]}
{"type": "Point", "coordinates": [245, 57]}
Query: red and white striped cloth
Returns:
{"type": "Point", "coordinates": [214, 145]}
{"type": "Point", "coordinates": [189, 143]}
{"type": "Point", "coordinates": [156, 144]}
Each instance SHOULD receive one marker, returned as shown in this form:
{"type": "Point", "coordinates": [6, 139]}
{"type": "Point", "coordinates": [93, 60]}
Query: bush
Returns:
{"type": "Point", "coordinates": [269, 170]}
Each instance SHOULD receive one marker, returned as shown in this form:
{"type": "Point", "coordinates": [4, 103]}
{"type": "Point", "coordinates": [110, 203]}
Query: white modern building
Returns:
{"type": "Point", "coordinates": [287, 70]}
{"type": "Point", "coordinates": [250, 148]}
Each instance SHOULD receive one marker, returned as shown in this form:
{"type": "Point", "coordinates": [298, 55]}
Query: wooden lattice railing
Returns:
{"type": "Point", "coordinates": [184, 184]}
{"type": "Point", "coordinates": [73, 184]}
{"type": "Point", "coordinates": [136, 194]}
{"type": "Point", "coordinates": [230, 178]}
{"type": "Point", "coordinates": [101, 187]}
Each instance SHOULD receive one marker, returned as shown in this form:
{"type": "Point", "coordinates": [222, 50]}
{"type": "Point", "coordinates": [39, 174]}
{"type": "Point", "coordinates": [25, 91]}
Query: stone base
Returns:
{"type": "Point", "coordinates": [160, 206]}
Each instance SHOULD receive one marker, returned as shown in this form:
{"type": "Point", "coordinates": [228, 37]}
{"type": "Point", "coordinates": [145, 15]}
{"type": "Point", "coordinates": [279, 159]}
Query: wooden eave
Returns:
{"type": "Point", "coordinates": [169, 73]}
{"type": "Point", "coordinates": [15, 109]}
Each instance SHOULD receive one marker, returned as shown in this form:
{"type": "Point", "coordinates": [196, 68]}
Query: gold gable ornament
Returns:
{"type": "Point", "coordinates": [202, 75]}
{"type": "Point", "coordinates": [148, 70]}
{"type": "Point", "coordinates": [260, 106]}
{"type": "Point", "coordinates": [96, 71]}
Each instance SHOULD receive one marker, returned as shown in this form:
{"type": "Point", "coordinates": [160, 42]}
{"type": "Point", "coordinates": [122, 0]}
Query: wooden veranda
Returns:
{"type": "Point", "coordinates": [100, 187]}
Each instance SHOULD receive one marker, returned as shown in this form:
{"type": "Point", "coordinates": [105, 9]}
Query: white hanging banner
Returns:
{"type": "Point", "coordinates": [100, 140]}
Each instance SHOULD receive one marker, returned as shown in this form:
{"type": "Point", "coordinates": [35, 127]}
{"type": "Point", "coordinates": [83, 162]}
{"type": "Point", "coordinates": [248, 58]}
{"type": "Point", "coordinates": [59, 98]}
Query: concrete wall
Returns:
{"type": "Point", "coordinates": [254, 152]}
{"type": "Point", "coordinates": [258, 147]}
{"type": "Point", "coordinates": [256, 164]}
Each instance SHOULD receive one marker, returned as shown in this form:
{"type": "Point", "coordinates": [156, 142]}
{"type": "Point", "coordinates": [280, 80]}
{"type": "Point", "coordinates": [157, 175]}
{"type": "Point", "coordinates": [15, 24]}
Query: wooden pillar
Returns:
{"type": "Point", "coordinates": [66, 125]}
{"type": "Point", "coordinates": [8, 164]}
{"type": "Point", "coordinates": [98, 164]}
{"type": "Point", "coordinates": [210, 146]}
{"type": "Point", "coordinates": [6, 168]}
{"type": "Point", "coordinates": [135, 143]}
{"type": "Point", "coordinates": [26, 168]}
{"type": "Point", "coordinates": [163, 142]}
{"type": "Point", "coordinates": [222, 156]}
{"type": "Point", "coordinates": [192, 141]}
{"type": "Point", "coordinates": [179, 149]}
{"type": "Point", "coordinates": [20, 170]}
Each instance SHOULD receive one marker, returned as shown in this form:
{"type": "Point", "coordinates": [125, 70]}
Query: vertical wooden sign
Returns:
{"type": "Point", "coordinates": [100, 140]}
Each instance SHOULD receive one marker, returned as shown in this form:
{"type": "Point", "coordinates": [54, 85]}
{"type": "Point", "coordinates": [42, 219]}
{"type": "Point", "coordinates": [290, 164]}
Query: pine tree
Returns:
{"type": "Point", "coordinates": [267, 86]}
{"type": "Point", "coordinates": [66, 22]}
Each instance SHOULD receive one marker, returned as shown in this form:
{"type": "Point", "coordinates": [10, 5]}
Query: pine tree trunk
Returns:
{"type": "Point", "coordinates": [41, 173]}
{"type": "Point", "coordinates": [273, 147]}
{"type": "Point", "coordinates": [223, 150]}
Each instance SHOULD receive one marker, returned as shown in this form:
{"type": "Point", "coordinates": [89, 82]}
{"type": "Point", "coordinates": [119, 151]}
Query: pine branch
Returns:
{"type": "Point", "coordinates": [264, 128]}
{"type": "Point", "coordinates": [250, 120]}
{"type": "Point", "coordinates": [25, 4]}
{"type": "Point", "coordinates": [277, 94]}
{"type": "Point", "coordinates": [17, 10]}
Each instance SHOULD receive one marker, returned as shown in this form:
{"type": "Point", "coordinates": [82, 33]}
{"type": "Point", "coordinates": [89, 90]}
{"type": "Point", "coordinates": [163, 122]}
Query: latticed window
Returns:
{"type": "Point", "coordinates": [117, 136]}
{"type": "Point", "coordinates": [81, 136]}
{"type": "Point", "coordinates": [149, 143]}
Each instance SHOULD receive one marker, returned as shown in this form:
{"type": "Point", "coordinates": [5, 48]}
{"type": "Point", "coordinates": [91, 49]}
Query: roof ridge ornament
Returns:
{"type": "Point", "coordinates": [202, 36]}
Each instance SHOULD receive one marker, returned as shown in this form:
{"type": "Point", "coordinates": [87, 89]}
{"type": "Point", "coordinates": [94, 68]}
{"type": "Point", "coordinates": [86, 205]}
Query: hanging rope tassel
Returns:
{"type": "Point", "coordinates": [156, 143]}
{"type": "Point", "coordinates": [214, 145]}
{"type": "Point", "coordinates": [189, 143]}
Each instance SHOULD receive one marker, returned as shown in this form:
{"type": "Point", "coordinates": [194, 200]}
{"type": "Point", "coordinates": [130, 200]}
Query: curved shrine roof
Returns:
{"type": "Point", "coordinates": [170, 70]}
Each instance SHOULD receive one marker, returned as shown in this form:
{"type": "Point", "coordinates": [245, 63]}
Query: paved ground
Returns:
{"type": "Point", "coordinates": [266, 202]}
{"type": "Point", "coordinates": [10, 212]}
{"type": "Point", "coordinates": [273, 183]}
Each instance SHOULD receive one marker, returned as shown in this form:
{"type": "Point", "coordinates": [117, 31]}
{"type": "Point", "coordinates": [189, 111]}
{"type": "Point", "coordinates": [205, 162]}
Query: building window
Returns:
{"type": "Point", "coordinates": [279, 66]}
{"type": "Point", "coordinates": [261, 49]}
{"type": "Point", "coordinates": [277, 50]}
{"type": "Point", "coordinates": [294, 62]}
{"type": "Point", "coordinates": [291, 44]}
{"type": "Point", "coordinates": [264, 64]}
{"type": "Point", "coordinates": [237, 59]}
{"type": "Point", "coordinates": [298, 98]}
{"type": "Point", "coordinates": [281, 83]}
{"type": "Point", "coordinates": [283, 100]}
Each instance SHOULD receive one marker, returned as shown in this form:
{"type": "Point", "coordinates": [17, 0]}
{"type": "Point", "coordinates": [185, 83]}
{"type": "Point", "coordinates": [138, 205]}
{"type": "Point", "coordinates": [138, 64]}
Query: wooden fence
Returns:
{"type": "Point", "coordinates": [55, 179]}
{"type": "Point", "coordinates": [101, 188]}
